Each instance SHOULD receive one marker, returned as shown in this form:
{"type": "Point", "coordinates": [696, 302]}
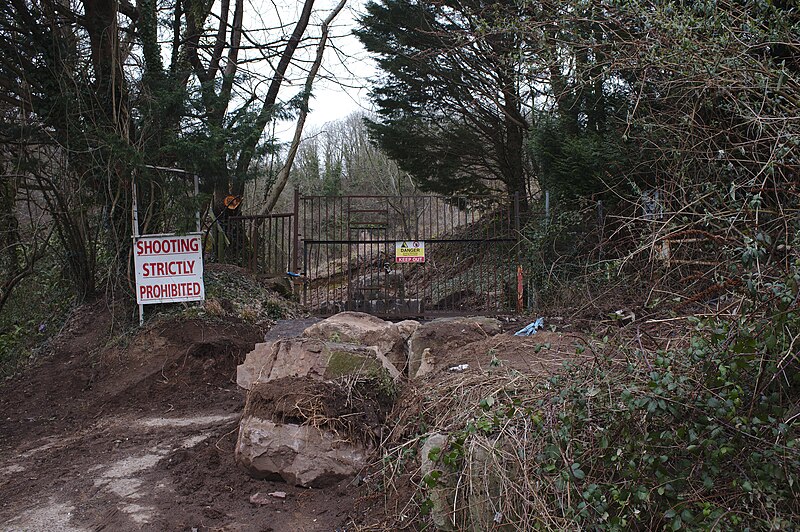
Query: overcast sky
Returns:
{"type": "Point", "coordinates": [342, 86]}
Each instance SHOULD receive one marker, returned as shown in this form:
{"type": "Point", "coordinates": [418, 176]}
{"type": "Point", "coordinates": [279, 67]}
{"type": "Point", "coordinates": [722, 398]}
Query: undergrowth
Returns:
{"type": "Point", "coordinates": [42, 304]}
{"type": "Point", "coordinates": [33, 314]}
{"type": "Point", "coordinates": [697, 438]}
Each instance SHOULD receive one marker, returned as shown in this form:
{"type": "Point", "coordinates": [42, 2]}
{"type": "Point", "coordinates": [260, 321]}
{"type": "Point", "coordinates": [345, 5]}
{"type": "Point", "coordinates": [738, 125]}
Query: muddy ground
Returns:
{"type": "Point", "coordinates": [138, 433]}
{"type": "Point", "coordinates": [141, 437]}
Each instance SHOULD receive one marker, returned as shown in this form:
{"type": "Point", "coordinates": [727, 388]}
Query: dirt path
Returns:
{"type": "Point", "coordinates": [142, 438]}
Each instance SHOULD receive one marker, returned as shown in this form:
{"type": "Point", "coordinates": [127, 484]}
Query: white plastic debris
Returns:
{"type": "Point", "coordinates": [531, 328]}
{"type": "Point", "coordinates": [460, 367]}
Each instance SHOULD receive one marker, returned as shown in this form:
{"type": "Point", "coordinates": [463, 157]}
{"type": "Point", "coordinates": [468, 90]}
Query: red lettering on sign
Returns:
{"type": "Point", "coordinates": [169, 290]}
{"type": "Point", "coordinates": [168, 246]}
{"type": "Point", "coordinates": [175, 268]}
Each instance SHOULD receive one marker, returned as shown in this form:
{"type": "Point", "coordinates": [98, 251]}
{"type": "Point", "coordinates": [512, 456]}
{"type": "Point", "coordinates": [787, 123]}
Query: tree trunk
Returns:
{"type": "Point", "coordinates": [283, 173]}
{"type": "Point", "coordinates": [101, 25]}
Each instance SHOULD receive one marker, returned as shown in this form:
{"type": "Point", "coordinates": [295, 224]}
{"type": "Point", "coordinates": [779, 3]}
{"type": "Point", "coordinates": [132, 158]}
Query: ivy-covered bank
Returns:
{"type": "Point", "coordinates": [697, 438]}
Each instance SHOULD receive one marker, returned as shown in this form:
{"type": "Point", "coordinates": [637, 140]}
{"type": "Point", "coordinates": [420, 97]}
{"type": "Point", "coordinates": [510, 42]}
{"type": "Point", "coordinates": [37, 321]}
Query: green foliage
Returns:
{"type": "Point", "coordinates": [274, 310]}
{"type": "Point", "coordinates": [434, 153]}
{"type": "Point", "coordinates": [556, 251]}
{"type": "Point", "coordinates": [698, 437]}
{"type": "Point", "coordinates": [674, 444]}
{"type": "Point", "coordinates": [573, 165]}
{"type": "Point", "coordinates": [702, 436]}
{"type": "Point", "coordinates": [695, 439]}
{"type": "Point", "coordinates": [34, 313]}
{"type": "Point", "coordinates": [87, 124]}
{"type": "Point", "coordinates": [449, 104]}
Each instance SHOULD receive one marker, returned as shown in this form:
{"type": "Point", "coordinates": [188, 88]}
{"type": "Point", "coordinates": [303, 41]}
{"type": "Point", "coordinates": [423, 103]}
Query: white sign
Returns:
{"type": "Point", "coordinates": [169, 268]}
{"type": "Point", "coordinates": [409, 251]}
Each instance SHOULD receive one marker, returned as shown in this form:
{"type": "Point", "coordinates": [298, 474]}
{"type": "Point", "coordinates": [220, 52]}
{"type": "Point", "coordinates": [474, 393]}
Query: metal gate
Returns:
{"type": "Point", "coordinates": [349, 243]}
{"type": "Point", "coordinates": [260, 243]}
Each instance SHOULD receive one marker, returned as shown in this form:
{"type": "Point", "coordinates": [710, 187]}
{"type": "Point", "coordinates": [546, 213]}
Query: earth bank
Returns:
{"type": "Point", "coordinates": [142, 433]}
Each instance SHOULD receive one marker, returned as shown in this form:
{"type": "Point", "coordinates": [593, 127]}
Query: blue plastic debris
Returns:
{"type": "Point", "coordinates": [292, 274]}
{"type": "Point", "coordinates": [531, 329]}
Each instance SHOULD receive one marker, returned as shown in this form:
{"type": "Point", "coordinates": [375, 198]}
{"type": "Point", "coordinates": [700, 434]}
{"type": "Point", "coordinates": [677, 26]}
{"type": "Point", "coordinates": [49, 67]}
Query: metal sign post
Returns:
{"type": "Point", "coordinates": [135, 221]}
{"type": "Point", "coordinates": [198, 228]}
{"type": "Point", "coordinates": [135, 232]}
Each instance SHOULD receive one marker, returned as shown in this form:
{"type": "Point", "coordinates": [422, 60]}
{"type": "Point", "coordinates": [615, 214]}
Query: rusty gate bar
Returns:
{"type": "Point", "coordinates": [261, 243]}
{"type": "Point", "coordinates": [348, 254]}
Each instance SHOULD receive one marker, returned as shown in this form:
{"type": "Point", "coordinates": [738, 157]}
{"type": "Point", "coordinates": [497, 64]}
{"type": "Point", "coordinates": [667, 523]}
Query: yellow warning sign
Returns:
{"type": "Point", "coordinates": [409, 251]}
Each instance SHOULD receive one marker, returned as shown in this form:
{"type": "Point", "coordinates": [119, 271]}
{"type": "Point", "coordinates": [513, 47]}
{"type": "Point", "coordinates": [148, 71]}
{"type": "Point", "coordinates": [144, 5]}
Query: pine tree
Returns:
{"type": "Point", "coordinates": [450, 103]}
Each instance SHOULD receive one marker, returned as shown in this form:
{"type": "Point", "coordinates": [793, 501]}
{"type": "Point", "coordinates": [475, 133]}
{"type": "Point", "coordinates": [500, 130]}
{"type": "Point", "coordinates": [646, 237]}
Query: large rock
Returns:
{"type": "Point", "coordinates": [445, 334]}
{"type": "Point", "coordinates": [440, 492]}
{"type": "Point", "coordinates": [363, 329]}
{"type": "Point", "coordinates": [485, 492]}
{"type": "Point", "coordinates": [427, 364]}
{"type": "Point", "coordinates": [257, 365]}
{"type": "Point", "coordinates": [407, 328]}
{"type": "Point", "coordinates": [307, 432]}
{"type": "Point", "coordinates": [299, 454]}
{"type": "Point", "coordinates": [300, 357]}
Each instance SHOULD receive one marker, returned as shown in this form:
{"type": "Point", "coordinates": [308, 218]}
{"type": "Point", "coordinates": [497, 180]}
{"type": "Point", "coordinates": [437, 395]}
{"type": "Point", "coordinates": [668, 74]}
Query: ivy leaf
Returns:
{"type": "Point", "coordinates": [433, 454]}
{"type": "Point", "coordinates": [487, 402]}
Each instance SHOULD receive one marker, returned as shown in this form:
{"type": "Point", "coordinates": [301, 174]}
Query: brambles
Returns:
{"type": "Point", "coordinates": [694, 438]}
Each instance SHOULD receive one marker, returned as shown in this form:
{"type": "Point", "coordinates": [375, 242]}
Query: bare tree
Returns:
{"type": "Point", "coordinates": [283, 173]}
{"type": "Point", "coordinates": [109, 88]}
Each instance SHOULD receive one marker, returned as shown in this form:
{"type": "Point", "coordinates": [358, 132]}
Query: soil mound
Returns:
{"type": "Point", "coordinates": [89, 327]}
{"type": "Point", "coordinates": [544, 352]}
{"type": "Point", "coordinates": [169, 365]}
{"type": "Point", "coordinates": [141, 435]}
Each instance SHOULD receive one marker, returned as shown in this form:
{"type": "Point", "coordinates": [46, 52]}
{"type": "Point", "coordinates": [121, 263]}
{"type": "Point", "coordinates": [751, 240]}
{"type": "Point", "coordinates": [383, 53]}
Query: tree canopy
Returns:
{"type": "Point", "coordinates": [95, 94]}
{"type": "Point", "coordinates": [450, 101]}
{"type": "Point", "coordinates": [466, 87]}
{"type": "Point", "coordinates": [574, 97]}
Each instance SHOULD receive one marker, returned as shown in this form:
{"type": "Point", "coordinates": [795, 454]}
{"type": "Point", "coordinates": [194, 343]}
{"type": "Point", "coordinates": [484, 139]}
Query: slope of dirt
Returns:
{"type": "Point", "coordinates": [393, 489]}
{"type": "Point", "coordinates": [141, 436]}
{"type": "Point", "coordinates": [543, 352]}
{"type": "Point", "coordinates": [138, 433]}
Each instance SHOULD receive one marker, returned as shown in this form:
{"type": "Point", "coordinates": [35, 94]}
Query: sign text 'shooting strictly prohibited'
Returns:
{"type": "Point", "coordinates": [169, 268]}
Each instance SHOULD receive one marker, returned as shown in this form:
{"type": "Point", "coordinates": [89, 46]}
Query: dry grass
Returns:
{"type": "Point", "coordinates": [522, 448]}
{"type": "Point", "coordinates": [493, 479]}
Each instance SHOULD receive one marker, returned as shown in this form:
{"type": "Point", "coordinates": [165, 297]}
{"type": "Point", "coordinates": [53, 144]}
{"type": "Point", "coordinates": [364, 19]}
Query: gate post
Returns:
{"type": "Point", "coordinates": [296, 232]}
{"type": "Point", "coordinates": [520, 280]}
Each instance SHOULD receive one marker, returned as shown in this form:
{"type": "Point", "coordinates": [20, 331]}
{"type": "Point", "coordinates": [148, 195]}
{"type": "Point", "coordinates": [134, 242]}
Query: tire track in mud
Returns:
{"type": "Point", "coordinates": [120, 482]}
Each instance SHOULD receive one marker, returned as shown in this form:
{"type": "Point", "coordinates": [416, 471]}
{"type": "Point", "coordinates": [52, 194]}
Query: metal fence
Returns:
{"type": "Point", "coordinates": [343, 250]}
{"type": "Point", "coordinates": [258, 243]}
{"type": "Point", "coordinates": [349, 246]}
